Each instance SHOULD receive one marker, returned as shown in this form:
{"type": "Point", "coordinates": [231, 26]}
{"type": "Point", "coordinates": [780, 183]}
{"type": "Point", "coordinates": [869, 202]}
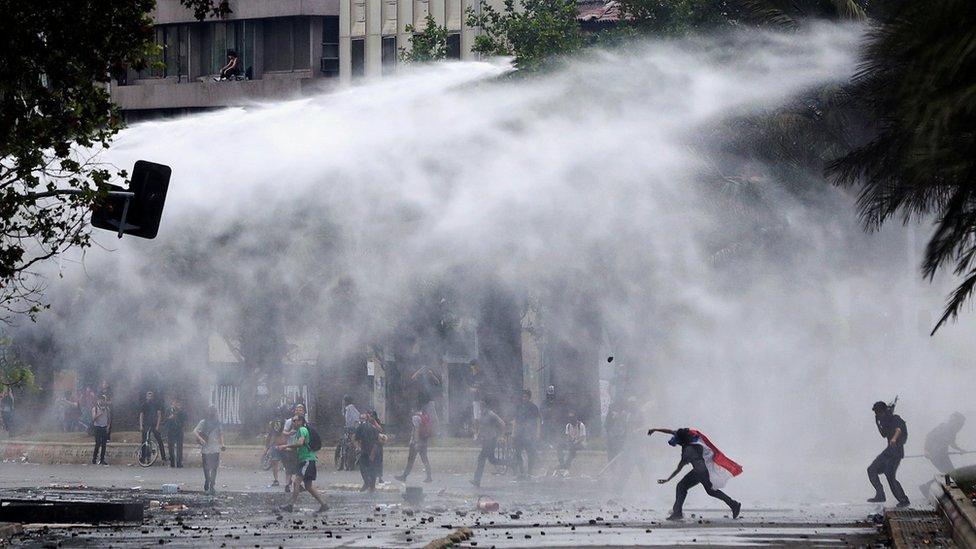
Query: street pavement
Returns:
{"type": "Point", "coordinates": [542, 512]}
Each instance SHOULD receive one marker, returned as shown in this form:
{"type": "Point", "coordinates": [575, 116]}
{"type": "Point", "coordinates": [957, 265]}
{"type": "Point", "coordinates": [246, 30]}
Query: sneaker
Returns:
{"type": "Point", "coordinates": [273, 484]}
{"type": "Point", "coordinates": [736, 507]}
{"type": "Point", "coordinates": [401, 478]}
{"type": "Point", "coordinates": [93, 461]}
{"type": "Point", "coordinates": [428, 479]}
{"type": "Point", "coordinates": [103, 462]}
{"type": "Point", "coordinates": [287, 508]}
{"type": "Point", "coordinates": [322, 508]}
{"type": "Point", "coordinates": [877, 499]}
{"type": "Point", "coordinates": [475, 483]}
{"type": "Point", "coordinates": [903, 504]}
{"type": "Point", "coordinates": [675, 516]}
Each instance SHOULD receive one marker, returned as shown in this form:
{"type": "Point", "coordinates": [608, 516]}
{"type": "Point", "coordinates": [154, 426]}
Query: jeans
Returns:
{"type": "Point", "coordinates": [887, 464]}
{"type": "Point", "coordinates": [689, 481]}
{"type": "Point", "coordinates": [368, 467]}
{"type": "Point", "coordinates": [487, 454]}
{"type": "Point", "coordinates": [174, 440]}
{"type": "Point", "coordinates": [210, 464]}
{"type": "Point", "coordinates": [566, 452]}
{"type": "Point", "coordinates": [526, 445]}
{"type": "Point", "coordinates": [417, 448]}
{"type": "Point", "coordinates": [101, 441]}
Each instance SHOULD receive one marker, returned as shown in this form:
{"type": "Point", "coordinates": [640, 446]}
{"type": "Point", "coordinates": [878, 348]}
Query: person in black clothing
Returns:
{"type": "Point", "coordinates": [692, 454]}
{"type": "Point", "coordinates": [367, 438]}
{"type": "Point", "coordinates": [526, 434]}
{"type": "Point", "coordinates": [150, 420]}
{"type": "Point", "coordinates": [490, 427]}
{"type": "Point", "coordinates": [893, 428]}
{"type": "Point", "coordinates": [174, 426]}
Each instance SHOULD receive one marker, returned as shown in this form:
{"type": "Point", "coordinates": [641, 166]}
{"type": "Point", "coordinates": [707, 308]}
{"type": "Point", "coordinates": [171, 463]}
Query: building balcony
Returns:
{"type": "Point", "coordinates": [167, 94]}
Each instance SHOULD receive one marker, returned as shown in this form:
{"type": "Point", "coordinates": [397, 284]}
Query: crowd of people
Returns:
{"type": "Point", "coordinates": [511, 442]}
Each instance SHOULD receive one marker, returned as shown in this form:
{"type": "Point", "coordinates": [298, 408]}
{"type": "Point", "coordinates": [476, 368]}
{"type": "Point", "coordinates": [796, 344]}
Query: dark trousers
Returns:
{"type": "Point", "coordinates": [692, 479]}
{"type": "Point", "coordinates": [368, 467]}
{"type": "Point", "coordinates": [159, 442]}
{"type": "Point", "coordinates": [415, 449]}
{"type": "Point", "coordinates": [210, 464]}
{"type": "Point", "coordinates": [887, 464]}
{"type": "Point", "coordinates": [527, 446]}
{"type": "Point", "coordinates": [566, 452]}
{"type": "Point", "coordinates": [8, 421]}
{"type": "Point", "coordinates": [101, 441]}
{"type": "Point", "coordinates": [174, 440]}
{"type": "Point", "coordinates": [487, 454]}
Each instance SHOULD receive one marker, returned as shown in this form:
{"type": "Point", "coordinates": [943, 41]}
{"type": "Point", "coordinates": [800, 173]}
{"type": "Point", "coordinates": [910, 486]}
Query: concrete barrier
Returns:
{"type": "Point", "coordinates": [444, 459]}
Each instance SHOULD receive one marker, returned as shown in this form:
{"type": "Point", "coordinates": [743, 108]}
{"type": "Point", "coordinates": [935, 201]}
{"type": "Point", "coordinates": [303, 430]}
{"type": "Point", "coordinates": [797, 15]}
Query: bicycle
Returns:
{"type": "Point", "coordinates": [345, 453]}
{"type": "Point", "coordinates": [148, 450]}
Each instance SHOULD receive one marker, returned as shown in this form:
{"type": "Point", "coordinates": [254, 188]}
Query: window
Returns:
{"type": "Point", "coordinates": [358, 58]}
{"type": "Point", "coordinates": [388, 54]}
{"type": "Point", "coordinates": [286, 44]}
{"type": "Point", "coordinates": [329, 64]}
{"type": "Point", "coordinates": [171, 60]}
{"type": "Point", "coordinates": [454, 46]}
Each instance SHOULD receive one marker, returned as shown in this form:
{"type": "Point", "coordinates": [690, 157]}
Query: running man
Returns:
{"type": "Point", "coordinates": [305, 475]}
{"type": "Point", "coordinates": [698, 451]}
{"type": "Point", "coordinates": [893, 428]}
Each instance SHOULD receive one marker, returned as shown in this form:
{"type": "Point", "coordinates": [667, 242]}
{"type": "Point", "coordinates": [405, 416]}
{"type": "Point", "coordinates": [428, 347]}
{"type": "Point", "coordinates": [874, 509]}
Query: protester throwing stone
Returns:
{"type": "Point", "coordinates": [893, 428]}
{"type": "Point", "coordinates": [709, 467]}
{"type": "Point", "coordinates": [210, 435]}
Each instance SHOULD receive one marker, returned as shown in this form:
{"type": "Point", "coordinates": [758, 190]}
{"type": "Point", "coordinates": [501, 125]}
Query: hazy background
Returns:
{"type": "Point", "coordinates": [772, 329]}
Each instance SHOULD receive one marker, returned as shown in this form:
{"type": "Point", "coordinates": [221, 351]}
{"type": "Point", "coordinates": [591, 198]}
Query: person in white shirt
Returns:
{"type": "Point", "coordinates": [574, 438]}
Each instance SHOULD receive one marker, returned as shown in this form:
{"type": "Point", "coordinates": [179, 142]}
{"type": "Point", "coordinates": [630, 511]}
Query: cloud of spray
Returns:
{"type": "Point", "coordinates": [583, 189]}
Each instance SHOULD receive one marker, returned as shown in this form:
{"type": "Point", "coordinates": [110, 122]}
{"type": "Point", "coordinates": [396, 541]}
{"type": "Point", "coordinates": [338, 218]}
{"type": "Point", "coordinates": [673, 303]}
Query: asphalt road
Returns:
{"type": "Point", "coordinates": [537, 513]}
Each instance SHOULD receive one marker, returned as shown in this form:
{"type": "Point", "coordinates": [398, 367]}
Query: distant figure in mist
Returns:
{"type": "Point", "coordinates": [709, 467]}
{"type": "Point", "coordinates": [174, 425]}
{"type": "Point", "coordinates": [490, 427]}
{"type": "Point", "coordinates": [101, 420]}
{"type": "Point", "coordinates": [150, 420]}
{"type": "Point", "coordinates": [937, 444]}
{"type": "Point", "coordinates": [374, 418]}
{"type": "Point", "coordinates": [7, 409]}
{"type": "Point", "coordinates": [350, 414]}
{"type": "Point", "coordinates": [895, 432]}
{"type": "Point", "coordinates": [526, 435]}
{"type": "Point", "coordinates": [420, 435]}
{"type": "Point", "coordinates": [210, 435]}
{"type": "Point", "coordinates": [367, 439]}
{"type": "Point", "coordinates": [574, 439]}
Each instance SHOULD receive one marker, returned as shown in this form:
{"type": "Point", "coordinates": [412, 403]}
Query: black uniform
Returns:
{"type": "Point", "coordinates": [369, 446]}
{"type": "Point", "coordinates": [694, 455]}
{"type": "Point", "coordinates": [174, 426]}
{"type": "Point", "coordinates": [149, 410]}
{"type": "Point", "coordinates": [888, 460]}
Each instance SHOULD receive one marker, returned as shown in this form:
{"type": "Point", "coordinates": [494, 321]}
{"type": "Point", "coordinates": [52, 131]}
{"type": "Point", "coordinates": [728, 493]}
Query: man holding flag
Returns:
{"type": "Point", "coordinates": [709, 466]}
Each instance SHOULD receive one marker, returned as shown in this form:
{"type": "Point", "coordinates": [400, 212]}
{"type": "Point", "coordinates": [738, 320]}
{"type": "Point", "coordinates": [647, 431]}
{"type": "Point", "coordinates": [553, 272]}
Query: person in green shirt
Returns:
{"type": "Point", "coordinates": [306, 466]}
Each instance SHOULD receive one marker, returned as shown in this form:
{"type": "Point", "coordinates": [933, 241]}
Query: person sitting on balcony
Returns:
{"type": "Point", "coordinates": [232, 70]}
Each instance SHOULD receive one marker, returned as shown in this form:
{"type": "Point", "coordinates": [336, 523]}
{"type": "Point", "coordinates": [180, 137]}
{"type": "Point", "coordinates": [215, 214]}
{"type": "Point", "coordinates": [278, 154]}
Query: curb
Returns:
{"type": "Point", "coordinates": [961, 514]}
{"type": "Point", "coordinates": [446, 459]}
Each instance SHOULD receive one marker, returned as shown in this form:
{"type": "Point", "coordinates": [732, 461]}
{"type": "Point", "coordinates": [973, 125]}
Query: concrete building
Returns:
{"type": "Point", "coordinates": [288, 48]}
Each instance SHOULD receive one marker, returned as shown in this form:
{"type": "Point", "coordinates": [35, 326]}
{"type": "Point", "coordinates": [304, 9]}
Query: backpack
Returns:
{"type": "Point", "coordinates": [314, 441]}
{"type": "Point", "coordinates": [426, 428]}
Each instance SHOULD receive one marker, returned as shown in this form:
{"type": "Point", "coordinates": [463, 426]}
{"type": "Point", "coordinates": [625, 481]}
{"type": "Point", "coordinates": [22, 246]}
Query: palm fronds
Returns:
{"type": "Point", "coordinates": [918, 79]}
